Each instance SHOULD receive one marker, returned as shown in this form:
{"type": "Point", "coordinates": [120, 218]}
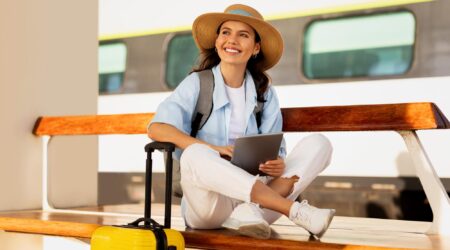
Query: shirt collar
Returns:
{"type": "Point", "coordinates": [220, 96]}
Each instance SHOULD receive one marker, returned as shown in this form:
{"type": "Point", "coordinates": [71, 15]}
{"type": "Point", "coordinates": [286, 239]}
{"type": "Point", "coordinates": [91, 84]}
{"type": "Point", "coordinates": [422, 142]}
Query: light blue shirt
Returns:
{"type": "Point", "coordinates": [177, 110]}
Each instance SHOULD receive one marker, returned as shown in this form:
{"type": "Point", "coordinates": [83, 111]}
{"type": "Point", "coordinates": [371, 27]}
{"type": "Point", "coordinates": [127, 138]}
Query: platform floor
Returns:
{"type": "Point", "coordinates": [19, 241]}
{"type": "Point", "coordinates": [25, 241]}
{"type": "Point", "coordinates": [344, 232]}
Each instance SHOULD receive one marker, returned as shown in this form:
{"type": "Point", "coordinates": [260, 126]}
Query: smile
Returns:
{"type": "Point", "coordinates": [231, 50]}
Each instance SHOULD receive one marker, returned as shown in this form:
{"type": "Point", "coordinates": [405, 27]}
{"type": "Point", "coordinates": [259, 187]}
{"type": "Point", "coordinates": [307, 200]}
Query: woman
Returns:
{"type": "Point", "coordinates": [238, 46]}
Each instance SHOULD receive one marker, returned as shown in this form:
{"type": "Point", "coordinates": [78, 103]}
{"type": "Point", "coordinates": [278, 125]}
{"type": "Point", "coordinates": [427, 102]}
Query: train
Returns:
{"type": "Point", "coordinates": [359, 52]}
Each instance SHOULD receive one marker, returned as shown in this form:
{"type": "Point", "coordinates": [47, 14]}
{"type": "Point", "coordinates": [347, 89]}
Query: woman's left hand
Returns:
{"type": "Point", "coordinates": [273, 168]}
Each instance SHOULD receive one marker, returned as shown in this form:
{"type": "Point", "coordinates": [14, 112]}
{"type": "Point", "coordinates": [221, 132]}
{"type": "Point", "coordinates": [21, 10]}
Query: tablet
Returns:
{"type": "Point", "coordinates": [250, 151]}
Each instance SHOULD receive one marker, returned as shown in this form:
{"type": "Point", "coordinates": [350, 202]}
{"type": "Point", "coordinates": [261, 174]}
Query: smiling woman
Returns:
{"type": "Point", "coordinates": [237, 48]}
{"type": "Point", "coordinates": [335, 53]}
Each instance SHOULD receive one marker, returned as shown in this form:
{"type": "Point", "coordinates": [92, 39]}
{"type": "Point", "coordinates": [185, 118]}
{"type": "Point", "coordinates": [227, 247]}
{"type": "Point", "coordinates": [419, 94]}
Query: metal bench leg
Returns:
{"type": "Point", "coordinates": [432, 185]}
{"type": "Point", "coordinates": [45, 204]}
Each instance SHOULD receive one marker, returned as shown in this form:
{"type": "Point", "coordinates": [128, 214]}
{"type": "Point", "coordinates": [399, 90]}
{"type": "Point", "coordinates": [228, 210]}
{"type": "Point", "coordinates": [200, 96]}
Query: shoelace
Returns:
{"type": "Point", "coordinates": [304, 213]}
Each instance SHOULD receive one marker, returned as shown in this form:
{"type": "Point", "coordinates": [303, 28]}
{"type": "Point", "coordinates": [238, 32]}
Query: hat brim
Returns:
{"type": "Point", "coordinates": [204, 31]}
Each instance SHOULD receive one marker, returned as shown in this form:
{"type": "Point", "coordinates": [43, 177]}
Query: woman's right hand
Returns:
{"type": "Point", "coordinates": [224, 151]}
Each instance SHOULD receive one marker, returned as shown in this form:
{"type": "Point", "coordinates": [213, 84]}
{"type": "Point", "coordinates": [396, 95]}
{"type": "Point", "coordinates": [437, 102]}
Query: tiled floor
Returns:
{"type": "Point", "coordinates": [21, 241]}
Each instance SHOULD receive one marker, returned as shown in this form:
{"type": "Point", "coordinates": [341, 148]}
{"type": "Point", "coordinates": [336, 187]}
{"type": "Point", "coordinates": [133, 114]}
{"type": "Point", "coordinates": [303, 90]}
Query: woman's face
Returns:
{"type": "Point", "coordinates": [235, 43]}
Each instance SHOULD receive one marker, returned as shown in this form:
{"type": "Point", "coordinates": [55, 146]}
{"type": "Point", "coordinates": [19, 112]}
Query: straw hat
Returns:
{"type": "Point", "coordinates": [204, 31]}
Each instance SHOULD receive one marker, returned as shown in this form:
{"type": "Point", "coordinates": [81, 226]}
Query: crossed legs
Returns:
{"type": "Point", "coordinates": [213, 187]}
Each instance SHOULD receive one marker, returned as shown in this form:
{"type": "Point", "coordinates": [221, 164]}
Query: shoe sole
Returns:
{"type": "Point", "coordinates": [330, 218]}
{"type": "Point", "coordinates": [259, 230]}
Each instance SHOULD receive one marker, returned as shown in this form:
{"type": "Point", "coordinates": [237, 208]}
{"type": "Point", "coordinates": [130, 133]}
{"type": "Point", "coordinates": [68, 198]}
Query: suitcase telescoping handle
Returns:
{"type": "Point", "coordinates": [149, 148]}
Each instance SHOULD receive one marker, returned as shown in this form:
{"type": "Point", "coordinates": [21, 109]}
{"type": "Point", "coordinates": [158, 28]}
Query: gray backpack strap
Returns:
{"type": "Point", "coordinates": [205, 104]}
{"type": "Point", "coordinates": [258, 113]}
{"type": "Point", "coordinates": [200, 116]}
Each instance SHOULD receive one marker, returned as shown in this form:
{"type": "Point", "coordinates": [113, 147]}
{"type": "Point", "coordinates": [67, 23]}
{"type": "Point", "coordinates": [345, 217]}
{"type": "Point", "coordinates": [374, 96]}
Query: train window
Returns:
{"type": "Point", "coordinates": [362, 46]}
{"type": "Point", "coordinates": [181, 56]}
{"type": "Point", "coordinates": [112, 63]}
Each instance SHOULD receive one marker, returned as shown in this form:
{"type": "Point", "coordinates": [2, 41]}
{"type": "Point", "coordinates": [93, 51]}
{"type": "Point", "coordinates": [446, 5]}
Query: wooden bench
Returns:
{"type": "Point", "coordinates": [345, 233]}
{"type": "Point", "coordinates": [404, 118]}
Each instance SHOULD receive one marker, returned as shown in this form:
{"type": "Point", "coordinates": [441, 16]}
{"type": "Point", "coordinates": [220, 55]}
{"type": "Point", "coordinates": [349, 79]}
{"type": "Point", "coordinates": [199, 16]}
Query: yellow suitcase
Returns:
{"type": "Point", "coordinates": [121, 238]}
{"type": "Point", "coordinates": [150, 235]}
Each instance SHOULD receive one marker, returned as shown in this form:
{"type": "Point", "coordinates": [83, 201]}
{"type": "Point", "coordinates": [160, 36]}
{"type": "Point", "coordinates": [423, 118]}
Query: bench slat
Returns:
{"type": "Point", "coordinates": [93, 124]}
{"type": "Point", "coordinates": [403, 116]}
{"type": "Point", "coordinates": [204, 239]}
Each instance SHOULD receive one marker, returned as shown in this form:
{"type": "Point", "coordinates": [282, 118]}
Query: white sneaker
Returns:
{"type": "Point", "coordinates": [246, 219]}
{"type": "Point", "coordinates": [313, 219]}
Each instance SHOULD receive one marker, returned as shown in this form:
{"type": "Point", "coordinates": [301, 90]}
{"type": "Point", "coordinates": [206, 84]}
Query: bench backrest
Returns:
{"type": "Point", "coordinates": [403, 116]}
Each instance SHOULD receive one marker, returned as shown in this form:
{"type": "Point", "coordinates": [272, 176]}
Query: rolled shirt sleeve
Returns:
{"type": "Point", "coordinates": [177, 109]}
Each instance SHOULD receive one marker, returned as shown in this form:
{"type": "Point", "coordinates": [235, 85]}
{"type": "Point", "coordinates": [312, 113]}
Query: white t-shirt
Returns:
{"type": "Point", "coordinates": [237, 118]}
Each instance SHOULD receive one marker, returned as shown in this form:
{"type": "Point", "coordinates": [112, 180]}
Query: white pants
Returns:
{"type": "Point", "coordinates": [213, 187]}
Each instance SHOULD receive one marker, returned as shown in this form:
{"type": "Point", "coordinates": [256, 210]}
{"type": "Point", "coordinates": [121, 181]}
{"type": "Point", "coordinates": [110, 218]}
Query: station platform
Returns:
{"type": "Point", "coordinates": [19, 241]}
{"type": "Point", "coordinates": [344, 232]}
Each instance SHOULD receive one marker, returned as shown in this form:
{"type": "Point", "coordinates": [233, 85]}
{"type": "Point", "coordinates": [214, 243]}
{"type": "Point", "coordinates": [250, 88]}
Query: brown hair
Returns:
{"type": "Point", "coordinates": [209, 58]}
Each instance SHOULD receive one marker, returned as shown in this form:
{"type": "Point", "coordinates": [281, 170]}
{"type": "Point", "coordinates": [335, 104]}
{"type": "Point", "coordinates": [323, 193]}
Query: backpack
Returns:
{"type": "Point", "coordinates": [200, 116]}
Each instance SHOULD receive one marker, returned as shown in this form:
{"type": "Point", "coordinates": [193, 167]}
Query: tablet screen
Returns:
{"type": "Point", "coordinates": [250, 151]}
